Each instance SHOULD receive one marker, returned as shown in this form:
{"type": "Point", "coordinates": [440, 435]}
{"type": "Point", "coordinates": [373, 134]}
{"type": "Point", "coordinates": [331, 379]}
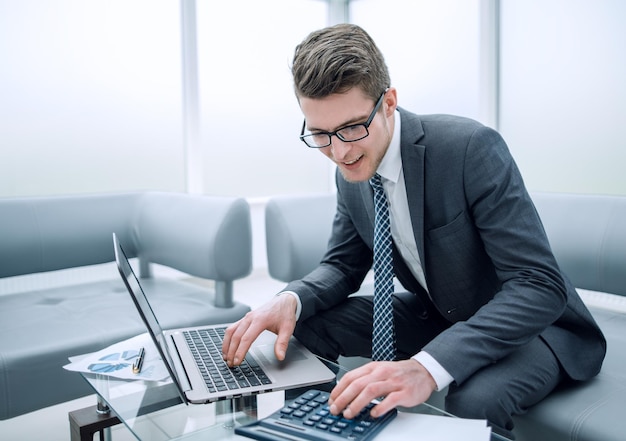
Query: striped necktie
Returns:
{"type": "Point", "coordinates": [383, 339]}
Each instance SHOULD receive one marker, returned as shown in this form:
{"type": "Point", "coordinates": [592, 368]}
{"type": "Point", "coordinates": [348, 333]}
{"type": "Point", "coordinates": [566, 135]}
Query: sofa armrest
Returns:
{"type": "Point", "coordinates": [205, 236]}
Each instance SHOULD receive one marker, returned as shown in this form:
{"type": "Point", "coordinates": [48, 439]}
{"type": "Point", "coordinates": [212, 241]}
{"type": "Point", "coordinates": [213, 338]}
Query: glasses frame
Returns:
{"type": "Point", "coordinates": [336, 133]}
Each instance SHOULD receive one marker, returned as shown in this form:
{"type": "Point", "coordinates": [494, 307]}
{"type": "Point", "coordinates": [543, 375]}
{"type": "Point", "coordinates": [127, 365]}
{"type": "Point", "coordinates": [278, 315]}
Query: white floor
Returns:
{"type": "Point", "coordinates": [52, 424]}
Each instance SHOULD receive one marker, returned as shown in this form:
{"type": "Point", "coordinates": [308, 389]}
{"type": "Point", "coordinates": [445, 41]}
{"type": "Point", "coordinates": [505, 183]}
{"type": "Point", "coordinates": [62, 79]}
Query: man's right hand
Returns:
{"type": "Point", "coordinates": [277, 316]}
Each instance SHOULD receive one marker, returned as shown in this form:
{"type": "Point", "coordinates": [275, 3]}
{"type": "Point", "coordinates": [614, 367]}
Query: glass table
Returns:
{"type": "Point", "coordinates": [154, 411]}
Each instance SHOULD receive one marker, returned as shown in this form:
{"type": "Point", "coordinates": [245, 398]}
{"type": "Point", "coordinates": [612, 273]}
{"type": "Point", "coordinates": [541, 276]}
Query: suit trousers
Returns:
{"type": "Point", "coordinates": [496, 392]}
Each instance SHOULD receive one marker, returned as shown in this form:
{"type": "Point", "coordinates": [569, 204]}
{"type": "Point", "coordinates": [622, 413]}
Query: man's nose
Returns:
{"type": "Point", "coordinates": [339, 148]}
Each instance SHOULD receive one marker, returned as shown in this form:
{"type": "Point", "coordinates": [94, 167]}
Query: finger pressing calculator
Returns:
{"type": "Point", "coordinates": [308, 417]}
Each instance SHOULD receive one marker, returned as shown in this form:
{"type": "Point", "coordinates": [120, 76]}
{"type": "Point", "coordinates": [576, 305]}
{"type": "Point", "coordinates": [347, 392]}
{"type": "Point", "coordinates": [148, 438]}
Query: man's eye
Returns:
{"type": "Point", "coordinates": [351, 129]}
{"type": "Point", "coordinates": [354, 132]}
{"type": "Point", "coordinates": [319, 137]}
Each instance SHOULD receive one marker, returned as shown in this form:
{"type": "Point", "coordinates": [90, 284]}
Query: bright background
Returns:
{"type": "Point", "coordinates": [196, 96]}
{"type": "Point", "coordinates": [91, 91]}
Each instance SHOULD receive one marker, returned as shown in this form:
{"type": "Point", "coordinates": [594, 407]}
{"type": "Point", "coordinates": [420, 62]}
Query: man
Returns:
{"type": "Point", "coordinates": [487, 311]}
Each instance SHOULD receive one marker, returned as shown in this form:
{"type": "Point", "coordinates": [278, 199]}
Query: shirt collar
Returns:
{"type": "Point", "coordinates": [391, 165]}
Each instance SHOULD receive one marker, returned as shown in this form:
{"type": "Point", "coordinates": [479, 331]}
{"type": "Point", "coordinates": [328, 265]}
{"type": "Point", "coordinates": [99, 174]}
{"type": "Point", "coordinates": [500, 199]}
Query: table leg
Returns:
{"type": "Point", "coordinates": [84, 423]}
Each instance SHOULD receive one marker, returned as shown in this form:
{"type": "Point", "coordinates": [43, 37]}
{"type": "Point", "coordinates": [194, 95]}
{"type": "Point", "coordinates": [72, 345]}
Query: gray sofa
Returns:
{"type": "Point", "coordinates": [200, 237]}
{"type": "Point", "coordinates": [588, 237]}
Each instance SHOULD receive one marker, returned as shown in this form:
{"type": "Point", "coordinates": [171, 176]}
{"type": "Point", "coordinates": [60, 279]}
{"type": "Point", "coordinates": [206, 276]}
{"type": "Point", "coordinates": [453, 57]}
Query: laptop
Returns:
{"type": "Point", "coordinates": [197, 383]}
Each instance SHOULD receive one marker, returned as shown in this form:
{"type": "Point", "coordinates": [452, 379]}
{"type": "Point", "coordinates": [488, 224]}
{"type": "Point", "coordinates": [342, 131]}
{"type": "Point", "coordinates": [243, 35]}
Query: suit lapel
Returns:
{"type": "Point", "coordinates": [367, 193]}
{"type": "Point", "coordinates": [413, 166]}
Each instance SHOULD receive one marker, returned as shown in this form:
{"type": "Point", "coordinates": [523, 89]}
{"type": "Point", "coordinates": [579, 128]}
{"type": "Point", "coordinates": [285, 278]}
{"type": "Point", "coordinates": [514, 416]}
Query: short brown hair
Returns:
{"type": "Point", "coordinates": [336, 59]}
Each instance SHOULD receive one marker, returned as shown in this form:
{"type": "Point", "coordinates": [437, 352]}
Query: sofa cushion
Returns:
{"type": "Point", "coordinates": [586, 411]}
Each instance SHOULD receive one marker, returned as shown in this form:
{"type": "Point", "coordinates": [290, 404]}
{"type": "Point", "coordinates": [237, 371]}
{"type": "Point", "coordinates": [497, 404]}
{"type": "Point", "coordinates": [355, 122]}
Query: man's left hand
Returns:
{"type": "Point", "coordinates": [403, 383]}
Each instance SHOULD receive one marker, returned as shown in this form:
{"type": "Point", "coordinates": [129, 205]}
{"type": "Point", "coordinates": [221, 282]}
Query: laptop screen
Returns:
{"type": "Point", "coordinates": [144, 308]}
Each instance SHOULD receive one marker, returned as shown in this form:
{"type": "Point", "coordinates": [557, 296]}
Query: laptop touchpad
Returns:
{"type": "Point", "coordinates": [266, 352]}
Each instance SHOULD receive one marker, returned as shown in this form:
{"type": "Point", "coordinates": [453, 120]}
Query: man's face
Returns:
{"type": "Point", "coordinates": [358, 160]}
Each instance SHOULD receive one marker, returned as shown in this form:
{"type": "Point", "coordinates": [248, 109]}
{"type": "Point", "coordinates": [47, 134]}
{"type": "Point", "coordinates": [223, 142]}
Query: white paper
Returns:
{"type": "Point", "coordinates": [424, 427]}
{"type": "Point", "coordinates": [117, 361]}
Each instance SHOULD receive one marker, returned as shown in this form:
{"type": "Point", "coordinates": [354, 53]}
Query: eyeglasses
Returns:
{"type": "Point", "coordinates": [351, 133]}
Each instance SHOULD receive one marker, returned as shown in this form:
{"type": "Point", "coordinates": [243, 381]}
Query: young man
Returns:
{"type": "Point", "coordinates": [486, 310]}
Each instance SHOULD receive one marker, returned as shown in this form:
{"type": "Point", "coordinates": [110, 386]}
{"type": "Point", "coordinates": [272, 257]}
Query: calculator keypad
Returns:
{"type": "Point", "coordinates": [311, 410]}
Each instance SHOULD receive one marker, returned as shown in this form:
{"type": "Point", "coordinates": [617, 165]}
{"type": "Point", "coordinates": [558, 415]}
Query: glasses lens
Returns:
{"type": "Point", "coordinates": [317, 140]}
{"type": "Point", "coordinates": [353, 133]}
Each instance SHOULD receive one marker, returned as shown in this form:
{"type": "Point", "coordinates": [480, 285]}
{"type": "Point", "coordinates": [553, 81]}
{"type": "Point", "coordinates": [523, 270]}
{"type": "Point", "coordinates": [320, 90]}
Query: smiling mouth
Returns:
{"type": "Point", "coordinates": [353, 161]}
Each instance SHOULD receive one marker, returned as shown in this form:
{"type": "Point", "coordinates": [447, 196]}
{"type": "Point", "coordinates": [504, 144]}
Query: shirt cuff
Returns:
{"type": "Point", "coordinates": [440, 375]}
{"type": "Point", "coordinates": [299, 303]}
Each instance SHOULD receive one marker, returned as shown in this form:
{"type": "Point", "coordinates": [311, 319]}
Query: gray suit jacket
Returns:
{"type": "Point", "coordinates": [487, 261]}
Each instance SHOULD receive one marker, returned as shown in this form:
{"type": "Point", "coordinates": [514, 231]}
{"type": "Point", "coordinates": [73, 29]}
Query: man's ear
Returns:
{"type": "Point", "coordinates": [390, 101]}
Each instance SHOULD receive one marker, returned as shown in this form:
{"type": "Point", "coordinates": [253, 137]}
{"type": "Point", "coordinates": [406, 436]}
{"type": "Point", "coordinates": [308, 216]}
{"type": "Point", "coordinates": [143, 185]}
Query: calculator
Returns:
{"type": "Point", "coordinates": [308, 417]}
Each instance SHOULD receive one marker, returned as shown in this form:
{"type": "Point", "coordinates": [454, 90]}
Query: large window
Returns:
{"type": "Point", "coordinates": [250, 119]}
{"type": "Point", "coordinates": [432, 49]}
{"type": "Point", "coordinates": [563, 100]}
{"type": "Point", "coordinates": [91, 91]}
{"type": "Point", "coordinates": [89, 96]}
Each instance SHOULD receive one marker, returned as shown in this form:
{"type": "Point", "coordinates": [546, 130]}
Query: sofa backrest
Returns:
{"type": "Point", "coordinates": [41, 234]}
{"type": "Point", "coordinates": [588, 237]}
{"type": "Point", "coordinates": [297, 231]}
{"type": "Point", "coordinates": [587, 234]}
{"type": "Point", "coordinates": [50, 233]}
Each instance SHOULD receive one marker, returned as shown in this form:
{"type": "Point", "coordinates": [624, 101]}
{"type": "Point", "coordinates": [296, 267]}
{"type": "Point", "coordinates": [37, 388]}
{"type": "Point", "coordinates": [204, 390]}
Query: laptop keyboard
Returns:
{"type": "Point", "coordinates": [206, 348]}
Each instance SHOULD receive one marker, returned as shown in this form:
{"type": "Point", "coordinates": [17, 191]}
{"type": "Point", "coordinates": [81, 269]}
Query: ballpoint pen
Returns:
{"type": "Point", "coordinates": [138, 361]}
